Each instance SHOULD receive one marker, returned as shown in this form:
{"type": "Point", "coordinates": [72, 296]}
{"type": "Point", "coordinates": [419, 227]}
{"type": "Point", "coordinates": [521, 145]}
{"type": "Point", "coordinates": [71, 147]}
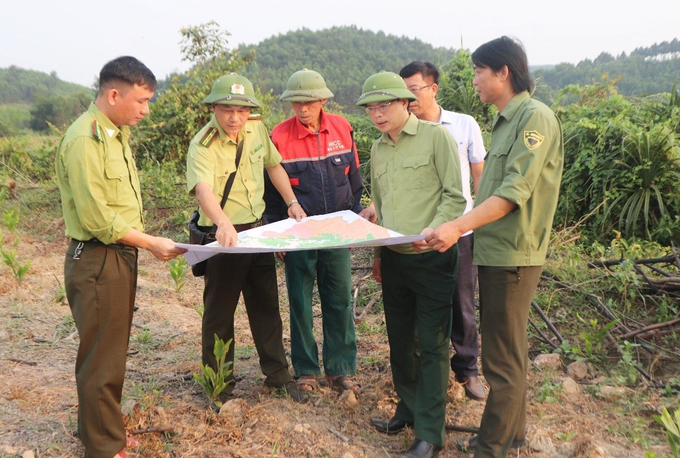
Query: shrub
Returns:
{"type": "Point", "coordinates": [622, 163]}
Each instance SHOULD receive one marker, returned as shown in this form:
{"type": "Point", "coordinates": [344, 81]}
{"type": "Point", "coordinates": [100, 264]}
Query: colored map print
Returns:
{"type": "Point", "coordinates": [322, 233]}
{"type": "Point", "coordinates": [343, 229]}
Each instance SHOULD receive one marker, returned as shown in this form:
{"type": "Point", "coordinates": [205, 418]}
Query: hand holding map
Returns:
{"type": "Point", "coordinates": [344, 229]}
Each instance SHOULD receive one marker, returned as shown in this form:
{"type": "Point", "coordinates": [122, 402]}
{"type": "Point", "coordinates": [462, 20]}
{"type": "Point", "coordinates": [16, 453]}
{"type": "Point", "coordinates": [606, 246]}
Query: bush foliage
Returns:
{"type": "Point", "coordinates": [622, 154]}
{"type": "Point", "coordinates": [622, 163]}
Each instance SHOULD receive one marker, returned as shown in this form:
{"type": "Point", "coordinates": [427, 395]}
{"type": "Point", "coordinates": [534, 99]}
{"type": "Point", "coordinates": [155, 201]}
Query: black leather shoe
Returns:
{"type": "Point", "coordinates": [422, 449]}
{"type": "Point", "coordinates": [391, 426]}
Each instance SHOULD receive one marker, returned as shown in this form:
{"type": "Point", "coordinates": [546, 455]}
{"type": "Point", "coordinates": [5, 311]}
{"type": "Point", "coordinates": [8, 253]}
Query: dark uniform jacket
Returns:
{"type": "Point", "coordinates": [323, 167]}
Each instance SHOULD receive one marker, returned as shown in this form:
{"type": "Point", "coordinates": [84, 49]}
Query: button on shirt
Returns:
{"type": "Point", "coordinates": [416, 182]}
{"type": "Point", "coordinates": [98, 180]}
{"type": "Point", "coordinates": [213, 165]}
{"type": "Point", "coordinates": [524, 166]}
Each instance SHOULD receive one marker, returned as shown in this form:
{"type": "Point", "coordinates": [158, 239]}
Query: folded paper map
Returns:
{"type": "Point", "coordinates": [342, 229]}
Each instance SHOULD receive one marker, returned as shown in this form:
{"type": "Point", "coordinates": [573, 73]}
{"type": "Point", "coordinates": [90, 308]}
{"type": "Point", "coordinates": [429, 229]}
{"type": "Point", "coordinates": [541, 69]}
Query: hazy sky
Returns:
{"type": "Point", "coordinates": [75, 38]}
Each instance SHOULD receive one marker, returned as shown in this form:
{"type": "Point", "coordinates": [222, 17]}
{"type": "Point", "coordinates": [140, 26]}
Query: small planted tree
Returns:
{"type": "Point", "coordinates": [10, 256]}
{"type": "Point", "coordinates": [214, 381]}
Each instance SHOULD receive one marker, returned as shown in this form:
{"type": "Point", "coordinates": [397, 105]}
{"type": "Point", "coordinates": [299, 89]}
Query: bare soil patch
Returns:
{"type": "Point", "coordinates": [170, 413]}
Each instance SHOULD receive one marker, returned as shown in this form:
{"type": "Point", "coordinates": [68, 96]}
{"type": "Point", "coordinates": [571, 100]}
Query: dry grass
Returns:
{"type": "Point", "coordinates": [38, 398]}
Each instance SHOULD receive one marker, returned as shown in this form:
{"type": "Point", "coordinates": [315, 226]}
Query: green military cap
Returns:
{"type": "Point", "coordinates": [233, 89]}
{"type": "Point", "coordinates": [305, 86]}
{"type": "Point", "coordinates": [382, 87]}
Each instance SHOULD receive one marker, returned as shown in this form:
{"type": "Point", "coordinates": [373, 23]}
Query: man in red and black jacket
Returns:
{"type": "Point", "coordinates": [321, 160]}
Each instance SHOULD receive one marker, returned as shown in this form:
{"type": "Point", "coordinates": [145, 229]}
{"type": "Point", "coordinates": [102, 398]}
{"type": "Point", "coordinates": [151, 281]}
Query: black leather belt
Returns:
{"type": "Point", "coordinates": [76, 247]}
{"type": "Point", "coordinates": [100, 243]}
{"type": "Point", "coordinates": [245, 227]}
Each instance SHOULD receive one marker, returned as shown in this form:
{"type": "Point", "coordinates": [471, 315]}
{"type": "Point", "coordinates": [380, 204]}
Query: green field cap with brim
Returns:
{"type": "Point", "coordinates": [305, 86]}
{"type": "Point", "coordinates": [382, 87]}
{"type": "Point", "coordinates": [233, 89]}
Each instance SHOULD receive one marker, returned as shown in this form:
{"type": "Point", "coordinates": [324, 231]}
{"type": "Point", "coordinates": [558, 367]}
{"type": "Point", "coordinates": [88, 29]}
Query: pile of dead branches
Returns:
{"type": "Point", "coordinates": [661, 276]}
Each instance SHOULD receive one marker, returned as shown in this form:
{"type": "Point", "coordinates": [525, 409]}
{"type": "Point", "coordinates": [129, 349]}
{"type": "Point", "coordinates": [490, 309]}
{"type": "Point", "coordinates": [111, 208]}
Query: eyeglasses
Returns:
{"type": "Point", "coordinates": [382, 107]}
{"type": "Point", "coordinates": [417, 89]}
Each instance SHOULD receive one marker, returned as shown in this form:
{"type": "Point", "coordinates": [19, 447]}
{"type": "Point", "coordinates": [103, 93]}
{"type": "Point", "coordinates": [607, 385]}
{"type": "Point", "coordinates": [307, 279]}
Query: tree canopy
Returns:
{"type": "Point", "coordinates": [27, 86]}
{"type": "Point", "coordinates": [646, 71]}
{"type": "Point", "coordinates": [345, 56]}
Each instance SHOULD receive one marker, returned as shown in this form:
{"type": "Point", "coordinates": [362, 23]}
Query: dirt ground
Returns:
{"type": "Point", "coordinates": [168, 412]}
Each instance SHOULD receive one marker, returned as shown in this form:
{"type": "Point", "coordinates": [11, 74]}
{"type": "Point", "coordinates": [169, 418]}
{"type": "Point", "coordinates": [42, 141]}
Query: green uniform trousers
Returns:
{"type": "Point", "coordinates": [226, 276]}
{"type": "Point", "coordinates": [100, 283]}
{"type": "Point", "coordinates": [332, 270]}
{"type": "Point", "coordinates": [505, 295]}
{"type": "Point", "coordinates": [417, 291]}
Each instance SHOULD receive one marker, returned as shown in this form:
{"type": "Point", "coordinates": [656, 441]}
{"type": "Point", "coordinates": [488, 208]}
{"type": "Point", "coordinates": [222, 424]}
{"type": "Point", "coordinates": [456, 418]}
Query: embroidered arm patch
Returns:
{"type": "Point", "coordinates": [532, 139]}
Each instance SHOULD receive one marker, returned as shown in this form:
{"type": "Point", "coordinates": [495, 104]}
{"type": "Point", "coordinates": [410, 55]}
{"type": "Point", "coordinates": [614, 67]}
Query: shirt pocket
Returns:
{"type": "Point", "coordinates": [341, 166]}
{"type": "Point", "coordinates": [257, 165]}
{"type": "Point", "coordinates": [418, 172]}
{"type": "Point", "coordinates": [381, 179]}
{"type": "Point", "coordinates": [117, 178]}
{"type": "Point", "coordinates": [498, 162]}
{"type": "Point", "coordinates": [299, 177]}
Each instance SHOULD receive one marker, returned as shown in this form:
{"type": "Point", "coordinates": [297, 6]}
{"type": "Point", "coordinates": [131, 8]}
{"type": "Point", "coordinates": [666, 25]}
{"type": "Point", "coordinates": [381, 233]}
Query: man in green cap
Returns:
{"type": "Point", "coordinates": [234, 144]}
{"type": "Point", "coordinates": [512, 220]}
{"type": "Point", "coordinates": [102, 207]}
{"type": "Point", "coordinates": [322, 163]}
{"type": "Point", "coordinates": [416, 185]}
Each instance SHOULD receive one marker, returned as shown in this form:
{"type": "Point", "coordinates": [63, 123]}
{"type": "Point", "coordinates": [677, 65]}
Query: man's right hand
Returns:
{"type": "Point", "coordinates": [226, 235]}
{"type": "Point", "coordinates": [377, 272]}
{"type": "Point", "coordinates": [369, 213]}
{"type": "Point", "coordinates": [164, 249]}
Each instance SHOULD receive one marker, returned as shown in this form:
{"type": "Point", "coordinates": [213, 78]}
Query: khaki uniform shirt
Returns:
{"type": "Point", "coordinates": [524, 166]}
{"type": "Point", "coordinates": [416, 183]}
{"type": "Point", "coordinates": [97, 178]}
{"type": "Point", "coordinates": [212, 164]}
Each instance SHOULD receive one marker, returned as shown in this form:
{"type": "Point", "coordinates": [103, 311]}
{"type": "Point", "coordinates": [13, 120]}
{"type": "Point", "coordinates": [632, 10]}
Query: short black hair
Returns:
{"type": "Point", "coordinates": [127, 70]}
{"type": "Point", "coordinates": [427, 69]}
{"type": "Point", "coordinates": [506, 51]}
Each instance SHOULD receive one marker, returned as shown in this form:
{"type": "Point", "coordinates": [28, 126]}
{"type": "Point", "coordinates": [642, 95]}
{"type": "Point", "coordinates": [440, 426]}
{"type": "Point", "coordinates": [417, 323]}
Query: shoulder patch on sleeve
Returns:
{"type": "Point", "coordinates": [97, 131]}
{"type": "Point", "coordinates": [209, 137]}
{"type": "Point", "coordinates": [532, 139]}
{"type": "Point", "coordinates": [255, 117]}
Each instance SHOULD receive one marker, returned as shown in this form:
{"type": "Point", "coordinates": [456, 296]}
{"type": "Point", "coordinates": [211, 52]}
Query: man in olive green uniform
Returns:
{"type": "Point", "coordinates": [210, 161]}
{"type": "Point", "coordinates": [416, 186]}
{"type": "Point", "coordinates": [512, 220]}
{"type": "Point", "coordinates": [102, 207]}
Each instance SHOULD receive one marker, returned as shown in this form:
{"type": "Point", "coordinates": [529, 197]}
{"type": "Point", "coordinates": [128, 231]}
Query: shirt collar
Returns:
{"type": "Point", "coordinates": [445, 117]}
{"type": "Point", "coordinates": [514, 104]}
{"type": "Point", "coordinates": [108, 128]}
{"type": "Point", "coordinates": [301, 129]}
{"type": "Point", "coordinates": [410, 128]}
{"type": "Point", "coordinates": [223, 135]}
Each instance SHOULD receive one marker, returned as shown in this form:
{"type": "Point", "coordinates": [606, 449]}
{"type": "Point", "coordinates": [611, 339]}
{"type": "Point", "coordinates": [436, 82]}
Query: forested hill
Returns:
{"type": "Point", "coordinates": [645, 71]}
{"type": "Point", "coordinates": [27, 86]}
{"type": "Point", "coordinates": [345, 56]}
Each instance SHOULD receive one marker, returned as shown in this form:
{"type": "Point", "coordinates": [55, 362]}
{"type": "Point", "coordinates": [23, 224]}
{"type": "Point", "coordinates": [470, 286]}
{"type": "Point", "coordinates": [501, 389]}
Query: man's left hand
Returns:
{"type": "Point", "coordinates": [296, 211]}
{"type": "Point", "coordinates": [422, 245]}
